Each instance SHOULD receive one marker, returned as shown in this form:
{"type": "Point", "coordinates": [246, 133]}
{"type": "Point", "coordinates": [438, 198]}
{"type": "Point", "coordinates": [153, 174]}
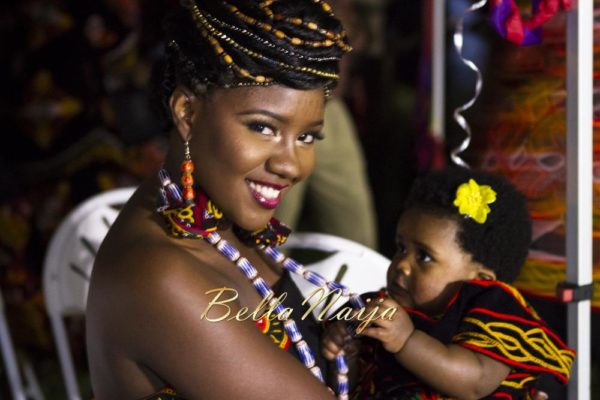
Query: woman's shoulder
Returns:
{"type": "Point", "coordinates": [155, 266]}
{"type": "Point", "coordinates": [139, 262]}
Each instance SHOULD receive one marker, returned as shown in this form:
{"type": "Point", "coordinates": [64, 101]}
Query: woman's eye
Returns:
{"type": "Point", "coordinates": [262, 128]}
{"type": "Point", "coordinates": [310, 137]}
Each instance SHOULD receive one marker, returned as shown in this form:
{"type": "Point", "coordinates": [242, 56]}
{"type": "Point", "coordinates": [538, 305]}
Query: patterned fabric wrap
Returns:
{"type": "Point", "coordinates": [274, 234]}
{"type": "Point", "coordinates": [507, 20]}
{"type": "Point", "coordinates": [488, 317]}
{"type": "Point", "coordinates": [196, 220]}
{"type": "Point", "coordinates": [200, 219]}
{"type": "Point", "coordinates": [164, 394]}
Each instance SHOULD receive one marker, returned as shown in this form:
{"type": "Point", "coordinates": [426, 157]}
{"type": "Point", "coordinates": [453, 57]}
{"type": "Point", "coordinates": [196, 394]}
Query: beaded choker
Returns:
{"type": "Point", "coordinates": [201, 221]}
{"type": "Point", "coordinates": [202, 217]}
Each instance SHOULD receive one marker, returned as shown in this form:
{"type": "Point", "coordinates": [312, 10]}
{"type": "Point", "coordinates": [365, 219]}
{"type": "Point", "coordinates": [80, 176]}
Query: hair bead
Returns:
{"type": "Point", "coordinates": [211, 33]}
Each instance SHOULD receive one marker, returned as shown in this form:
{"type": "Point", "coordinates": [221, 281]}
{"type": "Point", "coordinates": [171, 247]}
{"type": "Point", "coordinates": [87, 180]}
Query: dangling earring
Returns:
{"type": "Point", "coordinates": [187, 180]}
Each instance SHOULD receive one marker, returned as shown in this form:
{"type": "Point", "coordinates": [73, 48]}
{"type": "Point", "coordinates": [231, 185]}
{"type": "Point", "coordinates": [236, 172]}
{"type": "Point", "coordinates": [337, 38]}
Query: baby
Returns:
{"type": "Point", "coordinates": [460, 330]}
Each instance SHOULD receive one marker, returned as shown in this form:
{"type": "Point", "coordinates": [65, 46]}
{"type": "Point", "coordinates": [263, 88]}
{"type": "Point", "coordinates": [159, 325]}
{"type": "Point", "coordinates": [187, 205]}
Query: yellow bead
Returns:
{"type": "Point", "coordinates": [260, 78]}
{"type": "Point", "coordinates": [326, 7]}
{"type": "Point", "coordinates": [312, 25]}
{"type": "Point", "coordinates": [328, 43]}
{"type": "Point", "coordinates": [296, 21]}
{"type": "Point", "coordinates": [279, 34]}
{"type": "Point", "coordinates": [244, 72]}
{"type": "Point", "coordinates": [296, 41]}
{"type": "Point", "coordinates": [227, 58]}
{"type": "Point", "coordinates": [267, 27]}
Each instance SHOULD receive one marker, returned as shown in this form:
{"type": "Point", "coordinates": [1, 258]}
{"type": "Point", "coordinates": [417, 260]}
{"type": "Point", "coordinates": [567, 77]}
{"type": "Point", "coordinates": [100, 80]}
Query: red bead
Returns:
{"type": "Point", "coordinates": [188, 193]}
{"type": "Point", "coordinates": [187, 166]}
{"type": "Point", "coordinates": [187, 180]}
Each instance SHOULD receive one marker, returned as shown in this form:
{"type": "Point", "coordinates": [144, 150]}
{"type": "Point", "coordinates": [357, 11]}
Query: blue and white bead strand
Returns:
{"type": "Point", "coordinates": [262, 287]}
{"type": "Point", "coordinates": [318, 280]}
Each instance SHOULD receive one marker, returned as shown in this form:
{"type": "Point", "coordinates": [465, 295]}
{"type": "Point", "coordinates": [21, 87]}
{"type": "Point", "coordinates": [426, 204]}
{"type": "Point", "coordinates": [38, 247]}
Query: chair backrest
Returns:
{"type": "Point", "coordinates": [68, 266]}
{"type": "Point", "coordinates": [72, 249]}
{"type": "Point", "coordinates": [358, 267]}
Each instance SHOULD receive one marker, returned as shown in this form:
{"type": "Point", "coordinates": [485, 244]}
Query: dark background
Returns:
{"type": "Point", "coordinates": [76, 122]}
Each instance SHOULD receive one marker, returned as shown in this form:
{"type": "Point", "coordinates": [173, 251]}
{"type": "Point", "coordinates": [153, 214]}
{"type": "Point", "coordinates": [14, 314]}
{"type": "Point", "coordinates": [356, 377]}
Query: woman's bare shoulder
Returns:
{"type": "Point", "coordinates": [150, 264]}
{"type": "Point", "coordinates": [140, 271]}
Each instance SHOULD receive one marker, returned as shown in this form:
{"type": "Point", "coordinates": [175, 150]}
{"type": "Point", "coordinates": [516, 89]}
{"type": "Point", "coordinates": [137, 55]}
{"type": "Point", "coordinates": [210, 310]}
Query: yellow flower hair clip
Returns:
{"type": "Point", "coordinates": [472, 200]}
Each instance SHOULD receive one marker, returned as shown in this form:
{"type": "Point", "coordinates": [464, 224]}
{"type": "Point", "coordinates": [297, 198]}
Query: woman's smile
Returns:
{"type": "Point", "coordinates": [268, 195]}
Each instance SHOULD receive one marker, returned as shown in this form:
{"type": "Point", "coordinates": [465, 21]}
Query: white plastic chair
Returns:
{"type": "Point", "coordinates": [10, 359]}
{"type": "Point", "coordinates": [68, 265]}
{"type": "Point", "coordinates": [356, 266]}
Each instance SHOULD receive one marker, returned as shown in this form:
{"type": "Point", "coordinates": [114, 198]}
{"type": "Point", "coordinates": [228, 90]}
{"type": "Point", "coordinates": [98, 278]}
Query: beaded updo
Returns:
{"type": "Point", "coordinates": [214, 43]}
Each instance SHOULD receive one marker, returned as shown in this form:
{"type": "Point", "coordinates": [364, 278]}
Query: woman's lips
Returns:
{"type": "Point", "coordinates": [266, 194]}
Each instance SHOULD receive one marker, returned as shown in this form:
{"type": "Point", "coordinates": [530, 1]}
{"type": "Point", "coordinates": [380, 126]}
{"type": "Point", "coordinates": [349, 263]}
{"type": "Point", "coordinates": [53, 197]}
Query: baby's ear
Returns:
{"type": "Point", "coordinates": [486, 274]}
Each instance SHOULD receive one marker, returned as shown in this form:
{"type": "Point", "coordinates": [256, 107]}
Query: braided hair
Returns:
{"type": "Point", "coordinates": [230, 43]}
{"type": "Point", "coordinates": [502, 242]}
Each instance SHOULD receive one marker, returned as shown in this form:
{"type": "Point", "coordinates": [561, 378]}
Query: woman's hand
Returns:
{"type": "Point", "coordinates": [393, 332]}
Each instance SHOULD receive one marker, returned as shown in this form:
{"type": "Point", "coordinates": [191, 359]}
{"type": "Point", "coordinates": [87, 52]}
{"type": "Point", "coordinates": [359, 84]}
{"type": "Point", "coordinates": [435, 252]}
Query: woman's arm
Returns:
{"type": "Point", "coordinates": [449, 369]}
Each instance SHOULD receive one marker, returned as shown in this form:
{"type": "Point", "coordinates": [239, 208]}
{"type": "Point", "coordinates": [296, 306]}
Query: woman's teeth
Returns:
{"type": "Point", "coordinates": [267, 192]}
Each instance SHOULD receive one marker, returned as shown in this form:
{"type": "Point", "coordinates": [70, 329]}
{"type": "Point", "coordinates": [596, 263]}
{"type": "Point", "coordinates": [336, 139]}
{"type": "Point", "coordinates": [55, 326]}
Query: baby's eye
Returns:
{"type": "Point", "coordinates": [310, 137]}
{"type": "Point", "coordinates": [262, 128]}
{"type": "Point", "coordinates": [424, 257]}
{"type": "Point", "coordinates": [400, 250]}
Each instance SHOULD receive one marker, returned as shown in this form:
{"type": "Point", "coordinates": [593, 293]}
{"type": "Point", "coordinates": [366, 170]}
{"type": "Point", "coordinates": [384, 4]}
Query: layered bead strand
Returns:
{"type": "Point", "coordinates": [318, 280]}
{"type": "Point", "coordinates": [263, 288]}
{"type": "Point", "coordinates": [171, 195]}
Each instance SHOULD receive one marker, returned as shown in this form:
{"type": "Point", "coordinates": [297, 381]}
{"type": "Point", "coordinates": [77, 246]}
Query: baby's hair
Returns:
{"type": "Point", "coordinates": [217, 43]}
{"type": "Point", "coordinates": [502, 242]}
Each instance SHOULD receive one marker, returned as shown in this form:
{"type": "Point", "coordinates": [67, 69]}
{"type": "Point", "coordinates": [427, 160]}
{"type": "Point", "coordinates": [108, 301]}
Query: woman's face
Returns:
{"type": "Point", "coordinates": [429, 264]}
{"type": "Point", "coordinates": [251, 145]}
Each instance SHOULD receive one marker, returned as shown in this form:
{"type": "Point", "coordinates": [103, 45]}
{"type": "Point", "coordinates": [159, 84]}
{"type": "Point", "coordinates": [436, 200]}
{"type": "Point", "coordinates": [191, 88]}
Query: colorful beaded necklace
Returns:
{"type": "Point", "coordinates": [201, 219]}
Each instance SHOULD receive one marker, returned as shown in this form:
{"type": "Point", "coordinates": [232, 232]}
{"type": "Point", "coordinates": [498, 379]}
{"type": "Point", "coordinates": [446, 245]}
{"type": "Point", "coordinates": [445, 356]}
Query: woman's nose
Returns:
{"type": "Point", "coordinates": [290, 162]}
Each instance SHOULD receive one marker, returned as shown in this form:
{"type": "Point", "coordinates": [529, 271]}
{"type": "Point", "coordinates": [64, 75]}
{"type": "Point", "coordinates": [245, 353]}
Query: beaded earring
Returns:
{"type": "Point", "coordinates": [187, 180]}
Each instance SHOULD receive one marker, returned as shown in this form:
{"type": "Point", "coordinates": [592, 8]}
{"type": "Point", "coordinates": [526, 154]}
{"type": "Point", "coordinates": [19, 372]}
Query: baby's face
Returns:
{"type": "Point", "coordinates": [429, 264]}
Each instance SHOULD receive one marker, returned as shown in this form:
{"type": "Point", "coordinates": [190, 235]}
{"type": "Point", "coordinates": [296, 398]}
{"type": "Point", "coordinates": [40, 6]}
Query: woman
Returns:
{"type": "Point", "coordinates": [243, 87]}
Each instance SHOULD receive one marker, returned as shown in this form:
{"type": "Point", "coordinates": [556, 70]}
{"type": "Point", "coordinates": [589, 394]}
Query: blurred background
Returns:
{"type": "Point", "coordinates": [76, 122]}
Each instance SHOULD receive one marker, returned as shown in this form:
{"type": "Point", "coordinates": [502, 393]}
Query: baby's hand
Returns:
{"type": "Point", "coordinates": [392, 333]}
{"type": "Point", "coordinates": [336, 340]}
